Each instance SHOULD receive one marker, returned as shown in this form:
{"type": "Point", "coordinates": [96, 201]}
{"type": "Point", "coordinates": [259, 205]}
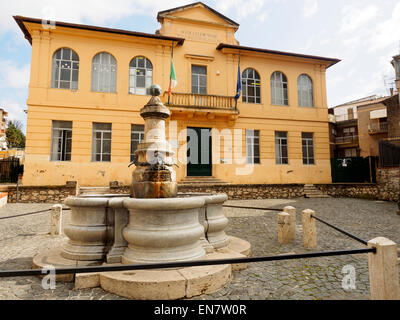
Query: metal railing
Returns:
{"type": "Point", "coordinates": [378, 127]}
{"type": "Point", "coordinates": [346, 139]}
{"type": "Point", "coordinates": [200, 101]}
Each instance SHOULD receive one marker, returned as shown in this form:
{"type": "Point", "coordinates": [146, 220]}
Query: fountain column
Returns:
{"type": "Point", "coordinates": [162, 227]}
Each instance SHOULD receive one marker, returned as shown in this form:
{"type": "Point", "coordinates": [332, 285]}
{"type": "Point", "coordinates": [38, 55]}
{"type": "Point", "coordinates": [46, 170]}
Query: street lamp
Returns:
{"type": "Point", "coordinates": [396, 66]}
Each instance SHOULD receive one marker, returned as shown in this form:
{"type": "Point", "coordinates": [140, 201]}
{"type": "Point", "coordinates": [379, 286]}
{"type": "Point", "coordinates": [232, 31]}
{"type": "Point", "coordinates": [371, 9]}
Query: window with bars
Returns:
{"type": "Point", "coordinates": [61, 141]}
{"type": "Point", "coordinates": [137, 136]}
{"type": "Point", "coordinates": [308, 148]}
{"type": "Point", "coordinates": [65, 71]}
{"type": "Point", "coordinates": [140, 76]}
{"type": "Point", "coordinates": [281, 147]}
{"type": "Point", "coordinates": [101, 147]}
{"type": "Point", "coordinates": [251, 86]}
{"type": "Point", "coordinates": [253, 146]}
{"type": "Point", "coordinates": [279, 89]}
{"type": "Point", "coordinates": [305, 91]}
{"type": "Point", "coordinates": [199, 80]}
{"type": "Point", "coordinates": [104, 73]}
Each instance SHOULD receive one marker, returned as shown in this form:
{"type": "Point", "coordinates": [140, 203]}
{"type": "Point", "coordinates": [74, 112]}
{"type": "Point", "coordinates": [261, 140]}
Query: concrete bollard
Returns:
{"type": "Point", "coordinates": [284, 228]}
{"type": "Point", "coordinates": [56, 220]}
{"type": "Point", "coordinates": [383, 270]}
{"type": "Point", "coordinates": [292, 212]}
{"type": "Point", "coordinates": [309, 229]}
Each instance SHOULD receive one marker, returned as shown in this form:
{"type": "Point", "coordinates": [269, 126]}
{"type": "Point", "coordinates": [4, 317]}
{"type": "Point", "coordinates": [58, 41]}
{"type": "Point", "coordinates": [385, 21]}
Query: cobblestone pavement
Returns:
{"type": "Point", "coordinates": [309, 279]}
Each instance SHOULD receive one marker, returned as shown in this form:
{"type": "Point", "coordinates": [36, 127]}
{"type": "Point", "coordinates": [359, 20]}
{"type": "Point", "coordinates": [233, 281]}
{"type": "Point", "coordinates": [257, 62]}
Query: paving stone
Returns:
{"type": "Point", "coordinates": [314, 279]}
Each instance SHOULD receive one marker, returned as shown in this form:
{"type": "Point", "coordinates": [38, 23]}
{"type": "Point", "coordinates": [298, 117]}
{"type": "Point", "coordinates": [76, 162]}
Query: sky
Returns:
{"type": "Point", "coordinates": [364, 34]}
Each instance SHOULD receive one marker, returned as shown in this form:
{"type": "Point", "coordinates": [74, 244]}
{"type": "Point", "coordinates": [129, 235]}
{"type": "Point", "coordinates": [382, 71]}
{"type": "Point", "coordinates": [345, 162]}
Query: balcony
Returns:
{"type": "Point", "coordinates": [198, 103]}
{"type": "Point", "coordinates": [347, 140]}
{"type": "Point", "coordinates": [376, 128]}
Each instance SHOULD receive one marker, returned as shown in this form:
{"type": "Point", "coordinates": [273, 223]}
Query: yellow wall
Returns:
{"type": "Point", "coordinates": [84, 107]}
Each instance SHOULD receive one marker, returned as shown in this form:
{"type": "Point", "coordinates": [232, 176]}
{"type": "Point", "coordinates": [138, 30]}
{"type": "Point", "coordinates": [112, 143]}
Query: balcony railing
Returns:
{"type": "Point", "coordinates": [378, 127]}
{"type": "Point", "coordinates": [346, 140]}
{"type": "Point", "coordinates": [345, 117]}
{"type": "Point", "coordinates": [199, 101]}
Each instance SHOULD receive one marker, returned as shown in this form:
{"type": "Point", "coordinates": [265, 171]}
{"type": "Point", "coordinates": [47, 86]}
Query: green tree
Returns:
{"type": "Point", "coordinates": [14, 135]}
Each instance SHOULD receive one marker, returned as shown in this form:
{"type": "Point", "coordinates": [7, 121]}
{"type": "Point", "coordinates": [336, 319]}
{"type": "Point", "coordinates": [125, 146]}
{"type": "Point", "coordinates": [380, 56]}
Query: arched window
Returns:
{"type": "Point", "coordinates": [104, 73]}
{"type": "Point", "coordinates": [279, 89]}
{"type": "Point", "coordinates": [140, 76]}
{"type": "Point", "coordinates": [305, 91]}
{"type": "Point", "coordinates": [65, 69]}
{"type": "Point", "coordinates": [251, 86]}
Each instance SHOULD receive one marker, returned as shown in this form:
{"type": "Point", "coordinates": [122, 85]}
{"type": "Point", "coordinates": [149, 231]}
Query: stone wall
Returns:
{"type": "Point", "coordinates": [388, 180]}
{"type": "Point", "coordinates": [248, 192]}
{"type": "Point", "coordinates": [387, 189]}
{"type": "Point", "coordinates": [350, 190]}
{"type": "Point", "coordinates": [42, 194]}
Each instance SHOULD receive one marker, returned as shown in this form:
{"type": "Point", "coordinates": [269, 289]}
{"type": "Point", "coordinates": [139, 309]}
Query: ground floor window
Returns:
{"type": "Point", "coordinates": [61, 141]}
{"type": "Point", "coordinates": [253, 146]}
{"type": "Point", "coordinates": [137, 136]}
{"type": "Point", "coordinates": [308, 148]}
{"type": "Point", "coordinates": [101, 148]}
{"type": "Point", "coordinates": [281, 147]}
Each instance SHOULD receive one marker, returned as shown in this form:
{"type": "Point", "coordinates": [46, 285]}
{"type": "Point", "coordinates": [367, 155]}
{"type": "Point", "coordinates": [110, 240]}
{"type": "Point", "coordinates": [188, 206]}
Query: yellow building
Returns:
{"type": "Point", "coordinates": [88, 84]}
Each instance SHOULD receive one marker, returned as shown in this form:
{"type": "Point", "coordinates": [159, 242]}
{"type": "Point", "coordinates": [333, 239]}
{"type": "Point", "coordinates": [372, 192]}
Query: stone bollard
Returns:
{"type": "Point", "coordinates": [284, 227]}
{"type": "Point", "coordinates": [309, 229]}
{"type": "Point", "coordinates": [56, 220]}
{"type": "Point", "coordinates": [292, 212]}
{"type": "Point", "coordinates": [383, 270]}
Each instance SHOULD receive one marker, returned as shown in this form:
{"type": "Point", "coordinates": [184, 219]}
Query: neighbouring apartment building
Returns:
{"type": "Point", "coordinates": [89, 83]}
{"type": "Point", "coordinates": [3, 128]}
{"type": "Point", "coordinates": [357, 126]}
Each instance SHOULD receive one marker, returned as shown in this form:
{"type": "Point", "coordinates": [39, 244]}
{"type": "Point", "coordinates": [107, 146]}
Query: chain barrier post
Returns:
{"type": "Point", "coordinates": [284, 228]}
{"type": "Point", "coordinates": [292, 212]}
{"type": "Point", "coordinates": [383, 270]}
{"type": "Point", "coordinates": [309, 229]}
{"type": "Point", "coordinates": [56, 220]}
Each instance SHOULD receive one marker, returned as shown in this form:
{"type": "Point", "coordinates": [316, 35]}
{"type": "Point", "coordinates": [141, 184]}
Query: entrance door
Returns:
{"type": "Point", "coordinates": [199, 153]}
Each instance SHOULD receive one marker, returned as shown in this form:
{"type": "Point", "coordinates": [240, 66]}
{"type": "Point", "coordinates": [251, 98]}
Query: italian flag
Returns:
{"type": "Point", "coordinates": [173, 81]}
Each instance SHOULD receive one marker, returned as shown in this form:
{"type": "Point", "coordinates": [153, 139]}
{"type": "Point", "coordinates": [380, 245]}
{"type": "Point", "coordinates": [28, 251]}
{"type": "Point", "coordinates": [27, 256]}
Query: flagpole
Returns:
{"type": "Point", "coordinates": [170, 75]}
{"type": "Point", "coordinates": [236, 100]}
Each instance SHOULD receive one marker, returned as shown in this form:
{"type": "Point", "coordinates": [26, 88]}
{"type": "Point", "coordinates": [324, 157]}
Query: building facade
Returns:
{"type": "Point", "coordinates": [354, 131]}
{"type": "Point", "coordinates": [88, 84]}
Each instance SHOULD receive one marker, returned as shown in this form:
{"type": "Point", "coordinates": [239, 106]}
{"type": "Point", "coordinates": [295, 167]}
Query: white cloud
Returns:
{"type": "Point", "coordinates": [78, 11]}
{"type": "Point", "coordinates": [15, 110]}
{"type": "Point", "coordinates": [310, 8]}
{"type": "Point", "coordinates": [356, 16]}
{"type": "Point", "coordinates": [242, 11]}
{"type": "Point", "coordinates": [13, 76]}
{"type": "Point", "coordinates": [386, 31]}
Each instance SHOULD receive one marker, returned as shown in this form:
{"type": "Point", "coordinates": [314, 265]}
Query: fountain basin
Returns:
{"type": "Point", "coordinates": [87, 231]}
{"type": "Point", "coordinates": [163, 230]}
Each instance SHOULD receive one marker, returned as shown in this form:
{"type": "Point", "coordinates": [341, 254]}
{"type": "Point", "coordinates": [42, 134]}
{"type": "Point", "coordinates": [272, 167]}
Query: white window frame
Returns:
{"type": "Point", "coordinates": [199, 89]}
{"type": "Point", "coordinates": [280, 144]}
{"type": "Point", "coordinates": [305, 90]}
{"type": "Point", "coordinates": [60, 135]}
{"type": "Point", "coordinates": [134, 69]}
{"type": "Point", "coordinates": [60, 64]}
{"type": "Point", "coordinates": [253, 143]}
{"type": "Point", "coordinates": [140, 133]}
{"type": "Point", "coordinates": [308, 158]}
{"type": "Point", "coordinates": [105, 69]}
{"type": "Point", "coordinates": [102, 139]}
{"type": "Point", "coordinates": [248, 82]}
{"type": "Point", "coordinates": [279, 89]}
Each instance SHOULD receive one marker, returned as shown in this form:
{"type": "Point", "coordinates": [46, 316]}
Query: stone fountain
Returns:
{"type": "Point", "coordinates": [153, 224]}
